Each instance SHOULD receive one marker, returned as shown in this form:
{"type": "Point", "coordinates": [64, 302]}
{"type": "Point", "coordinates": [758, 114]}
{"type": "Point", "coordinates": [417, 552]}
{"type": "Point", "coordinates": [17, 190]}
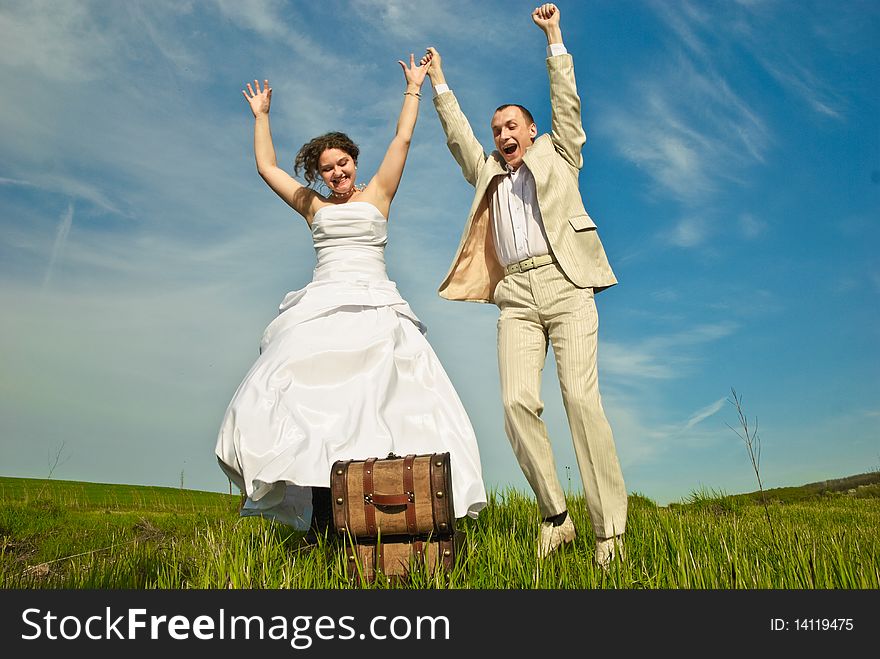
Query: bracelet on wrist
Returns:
{"type": "Point", "coordinates": [416, 94]}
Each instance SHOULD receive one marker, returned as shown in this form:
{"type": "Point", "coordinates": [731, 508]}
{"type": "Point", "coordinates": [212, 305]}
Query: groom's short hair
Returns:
{"type": "Point", "coordinates": [528, 115]}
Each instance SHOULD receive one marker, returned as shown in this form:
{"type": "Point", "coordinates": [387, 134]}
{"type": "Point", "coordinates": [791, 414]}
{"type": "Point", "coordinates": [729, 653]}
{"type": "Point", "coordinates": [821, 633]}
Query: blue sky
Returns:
{"type": "Point", "coordinates": [732, 166]}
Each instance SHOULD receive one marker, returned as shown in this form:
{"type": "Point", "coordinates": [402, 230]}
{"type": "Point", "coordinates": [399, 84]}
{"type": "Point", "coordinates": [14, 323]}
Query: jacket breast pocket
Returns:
{"type": "Point", "coordinates": [582, 222]}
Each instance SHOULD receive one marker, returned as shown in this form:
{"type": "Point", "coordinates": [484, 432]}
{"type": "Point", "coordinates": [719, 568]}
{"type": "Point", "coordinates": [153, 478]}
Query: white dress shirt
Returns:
{"type": "Point", "coordinates": [518, 227]}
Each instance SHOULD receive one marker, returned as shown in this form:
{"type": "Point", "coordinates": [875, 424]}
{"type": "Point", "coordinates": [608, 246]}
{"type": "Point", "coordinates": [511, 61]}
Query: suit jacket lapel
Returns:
{"type": "Point", "coordinates": [496, 165]}
{"type": "Point", "coordinates": [536, 157]}
{"type": "Point", "coordinates": [539, 159]}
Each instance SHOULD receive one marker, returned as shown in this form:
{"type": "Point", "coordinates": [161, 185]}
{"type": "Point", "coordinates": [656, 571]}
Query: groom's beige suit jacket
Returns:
{"type": "Point", "coordinates": [554, 161]}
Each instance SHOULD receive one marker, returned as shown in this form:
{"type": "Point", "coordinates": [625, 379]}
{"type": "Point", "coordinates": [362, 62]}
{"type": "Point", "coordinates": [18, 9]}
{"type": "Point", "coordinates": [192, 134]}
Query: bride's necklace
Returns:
{"type": "Point", "coordinates": [346, 195]}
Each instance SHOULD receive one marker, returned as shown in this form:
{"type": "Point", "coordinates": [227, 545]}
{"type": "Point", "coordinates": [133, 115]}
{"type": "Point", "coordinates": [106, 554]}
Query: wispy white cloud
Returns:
{"type": "Point", "coordinates": [663, 356]}
{"type": "Point", "coordinates": [66, 186]}
{"type": "Point", "coordinates": [804, 83]}
{"type": "Point", "coordinates": [57, 41]}
{"type": "Point", "coordinates": [16, 182]}
{"type": "Point", "coordinates": [270, 19]}
{"type": "Point", "coordinates": [689, 232]}
{"type": "Point", "coordinates": [628, 361]}
{"type": "Point", "coordinates": [58, 247]}
{"type": "Point", "coordinates": [685, 19]}
{"type": "Point", "coordinates": [276, 20]}
{"type": "Point", "coordinates": [697, 28]}
{"type": "Point", "coordinates": [688, 130]}
{"type": "Point", "coordinates": [666, 295]}
{"type": "Point", "coordinates": [646, 431]}
{"type": "Point", "coordinates": [422, 22]}
{"type": "Point", "coordinates": [76, 187]}
{"type": "Point", "coordinates": [750, 226]}
{"type": "Point", "coordinates": [153, 20]}
{"type": "Point", "coordinates": [692, 127]}
{"type": "Point", "coordinates": [652, 141]}
{"type": "Point", "coordinates": [703, 414]}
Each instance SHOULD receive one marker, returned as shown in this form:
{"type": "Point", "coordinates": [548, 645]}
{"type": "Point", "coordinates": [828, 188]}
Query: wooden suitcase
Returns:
{"type": "Point", "coordinates": [399, 557]}
{"type": "Point", "coordinates": [393, 496]}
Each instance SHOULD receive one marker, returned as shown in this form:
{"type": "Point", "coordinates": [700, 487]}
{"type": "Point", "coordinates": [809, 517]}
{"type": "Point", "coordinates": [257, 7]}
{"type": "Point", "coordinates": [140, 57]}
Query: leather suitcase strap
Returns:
{"type": "Point", "coordinates": [409, 488]}
{"type": "Point", "coordinates": [451, 548]}
{"type": "Point", "coordinates": [369, 510]}
{"type": "Point", "coordinates": [339, 492]}
{"type": "Point", "coordinates": [441, 494]}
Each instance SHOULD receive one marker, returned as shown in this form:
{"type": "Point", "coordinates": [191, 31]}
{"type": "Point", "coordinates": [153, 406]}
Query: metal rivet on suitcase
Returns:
{"type": "Point", "coordinates": [339, 500]}
{"type": "Point", "coordinates": [439, 495]}
{"type": "Point", "coordinates": [443, 525]}
{"type": "Point", "coordinates": [438, 464]}
{"type": "Point", "coordinates": [446, 552]}
{"type": "Point", "coordinates": [339, 472]}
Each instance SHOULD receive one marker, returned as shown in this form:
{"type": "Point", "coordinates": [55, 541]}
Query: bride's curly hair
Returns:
{"type": "Point", "coordinates": [307, 158]}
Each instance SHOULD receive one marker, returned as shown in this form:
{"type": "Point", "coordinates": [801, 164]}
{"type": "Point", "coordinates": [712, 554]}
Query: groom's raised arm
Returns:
{"type": "Point", "coordinates": [566, 128]}
{"type": "Point", "coordinates": [464, 146]}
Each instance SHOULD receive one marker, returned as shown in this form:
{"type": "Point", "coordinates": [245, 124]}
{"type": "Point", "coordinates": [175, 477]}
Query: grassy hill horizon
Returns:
{"type": "Point", "coordinates": [866, 484]}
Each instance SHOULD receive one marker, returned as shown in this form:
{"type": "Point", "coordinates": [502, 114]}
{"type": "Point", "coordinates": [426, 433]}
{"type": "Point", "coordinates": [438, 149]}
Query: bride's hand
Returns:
{"type": "Point", "coordinates": [259, 100]}
{"type": "Point", "coordinates": [415, 75]}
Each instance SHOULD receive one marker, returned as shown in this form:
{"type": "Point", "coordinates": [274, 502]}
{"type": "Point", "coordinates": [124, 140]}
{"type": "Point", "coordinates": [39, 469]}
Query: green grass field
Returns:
{"type": "Point", "coordinates": [61, 534]}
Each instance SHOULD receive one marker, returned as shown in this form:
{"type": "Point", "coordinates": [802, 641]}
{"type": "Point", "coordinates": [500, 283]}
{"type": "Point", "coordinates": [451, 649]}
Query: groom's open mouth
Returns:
{"type": "Point", "coordinates": [509, 149]}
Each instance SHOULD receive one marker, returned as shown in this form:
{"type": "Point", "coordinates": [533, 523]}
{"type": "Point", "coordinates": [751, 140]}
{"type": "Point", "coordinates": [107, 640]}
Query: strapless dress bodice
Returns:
{"type": "Point", "coordinates": [349, 242]}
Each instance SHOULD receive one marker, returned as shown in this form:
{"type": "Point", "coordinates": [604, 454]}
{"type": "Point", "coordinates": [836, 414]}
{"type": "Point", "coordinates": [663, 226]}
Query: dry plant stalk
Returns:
{"type": "Point", "coordinates": [750, 437]}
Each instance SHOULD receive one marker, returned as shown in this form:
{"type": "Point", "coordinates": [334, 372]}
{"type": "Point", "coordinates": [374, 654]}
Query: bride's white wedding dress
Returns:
{"type": "Point", "coordinates": [344, 372]}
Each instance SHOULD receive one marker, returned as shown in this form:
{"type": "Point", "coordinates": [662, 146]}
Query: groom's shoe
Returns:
{"type": "Point", "coordinates": [609, 549]}
{"type": "Point", "coordinates": [552, 537]}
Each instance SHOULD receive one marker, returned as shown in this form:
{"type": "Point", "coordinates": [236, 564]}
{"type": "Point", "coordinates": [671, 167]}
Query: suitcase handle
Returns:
{"type": "Point", "coordinates": [372, 500]}
{"type": "Point", "coordinates": [390, 499]}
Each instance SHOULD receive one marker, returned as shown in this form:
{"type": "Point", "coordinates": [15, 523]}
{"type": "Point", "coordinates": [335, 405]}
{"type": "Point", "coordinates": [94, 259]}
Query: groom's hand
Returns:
{"type": "Point", "coordinates": [432, 61]}
{"type": "Point", "coordinates": [546, 17]}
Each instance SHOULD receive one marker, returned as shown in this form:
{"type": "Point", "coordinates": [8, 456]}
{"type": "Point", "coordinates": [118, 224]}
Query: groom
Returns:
{"type": "Point", "coordinates": [530, 247]}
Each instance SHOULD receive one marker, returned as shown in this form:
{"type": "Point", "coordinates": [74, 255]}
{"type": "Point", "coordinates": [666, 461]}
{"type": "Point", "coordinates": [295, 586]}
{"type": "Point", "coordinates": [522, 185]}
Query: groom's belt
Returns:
{"type": "Point", "coordinates": [529, 264]}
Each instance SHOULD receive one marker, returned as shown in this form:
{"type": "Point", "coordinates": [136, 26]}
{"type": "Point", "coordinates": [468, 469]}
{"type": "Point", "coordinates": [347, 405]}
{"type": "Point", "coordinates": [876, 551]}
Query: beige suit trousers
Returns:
{"type": "Point", "coordinates": [537, 307]}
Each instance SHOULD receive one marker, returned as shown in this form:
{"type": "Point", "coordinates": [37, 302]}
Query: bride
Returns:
{"type": "Point", "coordinates": [344, 371]}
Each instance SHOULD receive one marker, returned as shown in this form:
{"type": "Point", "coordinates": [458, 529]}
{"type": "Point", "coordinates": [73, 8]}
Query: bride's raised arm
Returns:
{"type": "Point", "coordinates": [384, 184]}
{"type": "Point", "coordinates": [301, 198]}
